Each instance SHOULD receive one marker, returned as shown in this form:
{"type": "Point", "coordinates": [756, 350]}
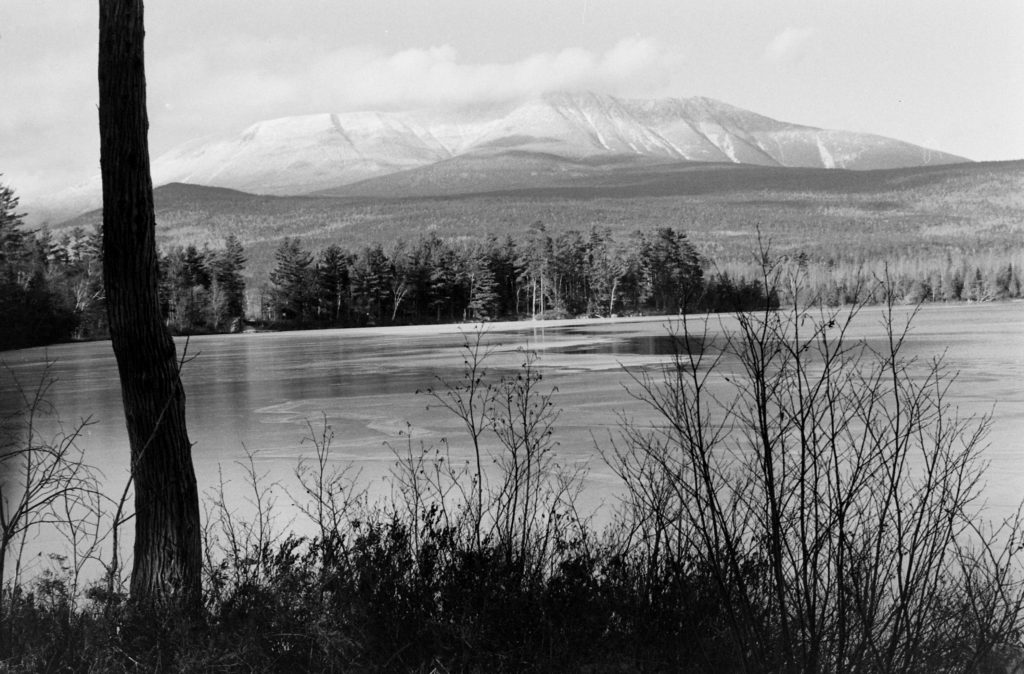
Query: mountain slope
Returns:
{"type": "Point", "coordinates": [298, 155]}
{"type": "Point", "coordinates": [301, 154]}
{"type": "Point", "coordinates": [983, 198]}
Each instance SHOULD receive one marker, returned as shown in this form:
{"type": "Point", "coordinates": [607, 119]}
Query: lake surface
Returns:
{"type": "Point", "coordinates": [260, 391]}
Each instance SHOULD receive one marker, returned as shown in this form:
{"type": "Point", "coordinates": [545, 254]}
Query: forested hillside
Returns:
{"type": "Point", "coordinates": [938, 229]}
{"type": "Point", "coordinates": [947, 233]}
{"type": "Point", "coordinates": [54, 290]}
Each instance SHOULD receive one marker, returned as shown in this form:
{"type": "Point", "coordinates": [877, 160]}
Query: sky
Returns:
{"type": "Point", "coordinates": [946, 74]}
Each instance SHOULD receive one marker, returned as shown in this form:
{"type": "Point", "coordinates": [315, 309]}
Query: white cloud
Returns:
{"type": "Point", "coordinates": [435, 76]}
{"type": "Point", "coordinates": [220, 87]}
{"type": "Point", "coordinates": [268, 80]}
{"type": "Point", "coordinates": [789, 45]}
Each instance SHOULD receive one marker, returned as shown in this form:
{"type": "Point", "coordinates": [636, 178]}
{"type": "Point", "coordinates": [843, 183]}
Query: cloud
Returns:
{"type": "Point", "coordinates": [211, 88]}
{"type": "Point", "coordinates": [789, 45]}
{"type": "Point", "coordinates": [252, 82]}
{"type": "Point", "coordinates": [436, 77]}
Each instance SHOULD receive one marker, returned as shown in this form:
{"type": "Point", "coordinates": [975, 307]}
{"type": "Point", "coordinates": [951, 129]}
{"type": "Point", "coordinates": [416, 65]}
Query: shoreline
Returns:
{"type": "Point", "coordinates": [434, 329]}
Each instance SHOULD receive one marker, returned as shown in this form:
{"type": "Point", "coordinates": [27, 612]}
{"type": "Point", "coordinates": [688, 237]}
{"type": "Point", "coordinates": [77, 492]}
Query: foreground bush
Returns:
{"type": "Point", "coordinates": [374, 606]}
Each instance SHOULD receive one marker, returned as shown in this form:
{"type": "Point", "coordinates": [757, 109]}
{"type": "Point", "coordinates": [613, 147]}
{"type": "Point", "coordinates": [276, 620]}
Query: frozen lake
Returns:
{"type": "Point", "coordinates": [259, 390]}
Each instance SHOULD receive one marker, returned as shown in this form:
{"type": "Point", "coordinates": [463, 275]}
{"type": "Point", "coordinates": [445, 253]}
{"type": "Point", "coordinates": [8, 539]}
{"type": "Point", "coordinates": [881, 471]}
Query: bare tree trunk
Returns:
{"type": "Point", "coordinates": [611, 299]}
{"type": "Point", "coordinates": [167, 530]}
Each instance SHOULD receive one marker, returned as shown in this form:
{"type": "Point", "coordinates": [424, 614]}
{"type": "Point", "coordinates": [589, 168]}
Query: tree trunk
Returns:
{"type": "Point", "coordinates": [167, 530]}
{"type": "Point", "coordinates": [611, 298]}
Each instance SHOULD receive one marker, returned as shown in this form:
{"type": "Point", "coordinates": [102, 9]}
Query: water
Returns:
{"type": "Point", "coordinates": [262, 392]}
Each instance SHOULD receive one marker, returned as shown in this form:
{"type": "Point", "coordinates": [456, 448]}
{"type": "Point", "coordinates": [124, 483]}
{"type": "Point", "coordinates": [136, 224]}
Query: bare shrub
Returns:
{"type": "Point", "coordinates": [332, 493]}
{"type": "Point", "coordinates": [524, 501]}
{"type": "Point", "coordinates": [238, 547]}
{"type": "Point", "coordinates": [827, 490]}
{"type": "Point", "coordinates": [430, 489]}
{"type": "Point", "coordinates": [467, 398]}
{"type": "Point", "coordinates": [45, 483]}
{"type": "Point", "coordinates": [533, 504]}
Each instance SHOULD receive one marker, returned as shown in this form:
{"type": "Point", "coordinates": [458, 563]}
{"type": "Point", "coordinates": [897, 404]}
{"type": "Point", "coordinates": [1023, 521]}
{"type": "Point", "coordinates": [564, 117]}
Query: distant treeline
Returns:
{"type": "Point", "coordinates": [985, 275]}
{"type": "Point", "coordinates": [51, 288]}
{"type": "Point", "coordinates": [203, 290]}
{"type": "Point", "coordinates": [435, 280]}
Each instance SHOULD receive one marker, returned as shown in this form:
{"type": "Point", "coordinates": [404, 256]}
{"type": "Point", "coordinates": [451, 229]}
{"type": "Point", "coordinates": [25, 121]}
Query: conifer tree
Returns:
{"type": "Point", "coordinates": [372, 283]}
{"type": "Point", "coordinates": [13, 252]}
{"type": "Point", "coordinates": [226, 273]}
{"type": "Point", "coordinates": [332, 283]}
{"type": "Point", "coordinates": [293, 282]}
{"type": "Point", "coordinates": [483, 288]}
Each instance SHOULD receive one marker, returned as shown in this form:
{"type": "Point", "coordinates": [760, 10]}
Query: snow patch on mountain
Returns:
{"type": "Point", "coordinates": [296, 155]}
{"type": "Point", "coordinates": [827, 160]}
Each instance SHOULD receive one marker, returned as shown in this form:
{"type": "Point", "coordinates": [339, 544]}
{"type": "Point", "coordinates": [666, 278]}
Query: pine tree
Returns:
{"type": "Point", "coordinates": [483, 288]}
{"type": "Point", "coordinates": [372, 278]}
{"type": "Point", "coordinates": [226, 272]}
{"type": "Point", "coordinates": [332, 283]}
{"type": "Point", "coordinates": [673, 269]}
{"type": "Point", "coordinates": [449, 286]}
{"type": "Point", "coordinates": [568, 270]}
{"type": "Point", "coordinates": [607, 266]}
{"type": "Point", "coordinates": [533, 262]}
{"type": "Point", "coordinates": [294, 282]}
{"type": "Point", "coordinates": [185, 290]}
{"type": "Point", "coordinates": [15, 249]}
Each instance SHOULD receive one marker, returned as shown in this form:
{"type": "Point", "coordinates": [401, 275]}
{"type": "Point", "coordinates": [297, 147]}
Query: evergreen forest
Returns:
{"type": "Point", "coordinates": [52, 288]}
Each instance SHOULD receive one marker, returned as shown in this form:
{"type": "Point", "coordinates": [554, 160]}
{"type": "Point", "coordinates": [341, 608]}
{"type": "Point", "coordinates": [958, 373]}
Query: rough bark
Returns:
{"type": "Point", "coordinates": [167, 529]}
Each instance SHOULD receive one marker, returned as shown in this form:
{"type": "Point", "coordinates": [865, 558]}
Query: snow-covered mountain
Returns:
{"type": "Point", "coordinates": [297, 155]}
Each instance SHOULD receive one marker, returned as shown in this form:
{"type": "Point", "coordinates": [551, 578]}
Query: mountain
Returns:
{"type": "Point", "coordinates": [944, 214]}
{"type": "Point", "coordinates": [722, 205]}
{"type": "Point", "coordinates": [560, 140]}
{"type": "Point", "coordinates": [559, 132]}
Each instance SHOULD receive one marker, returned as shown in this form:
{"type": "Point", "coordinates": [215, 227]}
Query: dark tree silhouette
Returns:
{"type": "Point", "coordinates": [167, 530]}
{"type": "Point", "coordinates": [11, 236]}
{"type": "Point", "coordinates": [226, 270]}
{"type": "Point", "coordinates": [32, 310]}
{"type": "Point", "coordinates": [332, 283]}
{"type": "Point", "coordinates": [294, 282]}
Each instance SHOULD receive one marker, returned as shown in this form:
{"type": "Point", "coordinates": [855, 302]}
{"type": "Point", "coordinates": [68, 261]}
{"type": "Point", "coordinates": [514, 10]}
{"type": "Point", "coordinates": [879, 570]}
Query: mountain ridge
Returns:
{"type": "Point", "coordinates": [311, 153]}
{"type": "Point", "coordinates": [493, 146]}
